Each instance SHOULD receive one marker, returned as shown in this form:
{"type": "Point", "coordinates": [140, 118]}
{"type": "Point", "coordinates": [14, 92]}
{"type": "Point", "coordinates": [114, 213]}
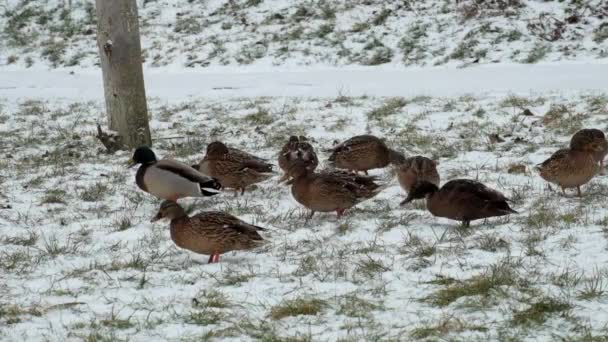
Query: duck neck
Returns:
{"type": "Point", "coordinates": [179, 219]}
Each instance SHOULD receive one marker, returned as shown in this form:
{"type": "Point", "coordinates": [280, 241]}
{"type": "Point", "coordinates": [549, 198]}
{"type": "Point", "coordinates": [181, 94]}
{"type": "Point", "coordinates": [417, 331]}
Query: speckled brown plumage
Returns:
{"type": "Point", "coordinates": [331, 190]}
{"type": "Point", "coordinates": [297, 149]}
{"type": "Point", "coordinates": [569, 168]}
{"type": "Point", "coordinates": [591, 139]}
{"type": "Point", "coordinates": [363, 153]}
{"type": "Point", "coordinates": [236, 171]}
{"type": "Point", "coordinates": [461, 199]}
{"type": "Point", "coordinates": [211, 233]}
{"type": "Point", "coordinates": [417, 168]}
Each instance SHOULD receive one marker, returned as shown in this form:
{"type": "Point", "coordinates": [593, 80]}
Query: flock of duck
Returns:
{"type": "Point", "coordinates": [337, 189]}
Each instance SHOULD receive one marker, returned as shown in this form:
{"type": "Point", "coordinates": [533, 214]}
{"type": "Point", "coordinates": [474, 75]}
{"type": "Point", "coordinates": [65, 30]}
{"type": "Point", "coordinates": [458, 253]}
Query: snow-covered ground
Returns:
{"type": "Point", "coordinates": [80, 260]}
{"type": "Point", "coordinates": [86, 84]}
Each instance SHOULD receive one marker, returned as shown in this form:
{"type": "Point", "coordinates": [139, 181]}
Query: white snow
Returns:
{"type": "Point", "coordinates": [319, 82]}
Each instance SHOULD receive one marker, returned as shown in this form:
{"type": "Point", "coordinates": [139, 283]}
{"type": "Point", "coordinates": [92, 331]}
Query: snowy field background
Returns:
{"type": "Point", "coordinates": [79, 259]}
{"type": "Point", "coordinates": [179, 34]}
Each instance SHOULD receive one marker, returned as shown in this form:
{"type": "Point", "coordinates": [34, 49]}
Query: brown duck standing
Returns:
{"type": "Point", "coordinates": [363, 153]}
{"type": "Point", "coordinates": [414, 169]}
{"type": "Point", "coordinates": [169, 179]}
{"type": "Point", "coordinates": [330, 190]}
{"type": "Point", "coordinates": [461, 199]}
{"type": "Point", "coordinates": [574, 166]}
{"type": "Point", "coordinates": [211, 233]}
{"type": "Point", "coordinates": [236, 169]}
{"type": "Point", "coordinates": [590, 136]}
{"type": "Point", "coordinates": [297, 149]}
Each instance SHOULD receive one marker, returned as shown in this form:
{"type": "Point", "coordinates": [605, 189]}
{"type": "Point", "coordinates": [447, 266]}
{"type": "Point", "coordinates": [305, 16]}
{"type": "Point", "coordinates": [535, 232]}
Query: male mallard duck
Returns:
{"type": "Point", "coordinates": [211, 233]}
{"type": "Point", "coordinates": [574, 166]}
{"type": "Point", "coordinates": [461, 199]}
{"type": "Point", "coordinates": [330, 190]}
{"type": "Point", "coordinates": [415, 169]}
{"type": "Point", "coordinates": [234, 170]}
{"type": "Point", "coordinates": [590, 136]}
{"type": "Point", "coordinates": [297, 148]}
{"type": "Point", "coordinates": [363, 153]}
{"type": "Point", "coordinates": [169, 179]}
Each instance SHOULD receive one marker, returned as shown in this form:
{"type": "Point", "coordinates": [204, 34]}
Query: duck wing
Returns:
{"type": "Point", "coordinates": [474, 194]}
{"type": "Point", "coordinates": [242, 155]}
{"type": "Point", "coordinates": [355, 143]}
{"type": "Point", "coordinates": [208, 184]}
{"type": "Point", "coordinates": [227, 224]}
{"type": "Point", "coordinates": [558, 155]}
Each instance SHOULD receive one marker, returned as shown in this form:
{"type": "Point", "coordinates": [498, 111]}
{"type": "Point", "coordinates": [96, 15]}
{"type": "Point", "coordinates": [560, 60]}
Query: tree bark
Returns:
{"type": "Point", "coordinates": [123, 79]}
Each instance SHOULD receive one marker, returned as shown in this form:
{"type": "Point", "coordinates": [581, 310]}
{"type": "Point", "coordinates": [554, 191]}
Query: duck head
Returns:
{"type": "Point", "coordinates": [170, 210]}
{"type": "Point", "coordinates": [592, 140]}
{"type": "Point", "coordinates": [216, 149]}
{"type": "Point", "coordinates": [298, 169]}
{"type": "Point", "coordinates": [419, 190]}
{"type": "Point", "coordinates": [142, 155]}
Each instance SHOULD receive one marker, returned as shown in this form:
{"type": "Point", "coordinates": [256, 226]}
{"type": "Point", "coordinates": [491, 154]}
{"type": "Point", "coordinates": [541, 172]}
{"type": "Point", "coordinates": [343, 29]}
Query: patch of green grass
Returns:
{"type": "Point", "coordinates": [371, 268]}
{"type": "Point", "coordinates": [211, 299]}
{"type": "Point", "coordinates": [54, 196]}
{"type": "Point", "coordinates": [11, 314]}
{"type": "Point", "coordinates": [29, 240]}
{"type": "Point", "coordinates": [123, 223]}
{"type": "Point", "coordinates": [537, 53]}
{"type": "Point", "coordinates": [389, 107]}
{"type": "Point", "coordinates": [355, 306]}
{"type": "Point", "coordinates": [538, 312]}
{"type": "Point", "coordinates": [485, 285]}
{"type": "Point", "coordinates": [298, 307]}
{"type": "Point", "coordinates": [94, 193]}
{"type": "Point", "coordinates": [17, 260]}
{"type": "Point", "coordinates": [325, 29]}
{"type": "Point", "coordinates": [206, 317]}
{"type": "Point", "coordinates": [188, 25]}
{"type": "Point", "coordinates": [594, 286]}
{"type": "Point", "coordinates": [117, 323]}
{"type": "Point", "coordinates": [233, 277]}
{"type": "Point", "coordinates": [261, 117]}
{"type": "Point", "coordinates": [444, 327]}
{"type": "Point", "coordinates": [380, 17]}
{"type": "Point", "coordinates": [521, 102]}
{"type": "Point", "coordinates": [541, 216]}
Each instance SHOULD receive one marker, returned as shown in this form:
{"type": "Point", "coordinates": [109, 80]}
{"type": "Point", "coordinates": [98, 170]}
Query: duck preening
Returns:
{"type": "Point", "coordinates": [363, 153]}
{"type": "Point", "coordinates": [461, 199]}
{"type": "Point", "coordinates": [234, 168]}
{"type": "Point", "coordinates": [297, 149]}
{"type": "Point", "coordinates": [169, 179]}
{"type": "Point", "coordinates": [211, 233]}
{"type": "Point", "coordinates": [414, 169]}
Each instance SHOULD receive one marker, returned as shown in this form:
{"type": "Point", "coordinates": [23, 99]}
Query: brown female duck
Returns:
{"type": "Point", "coordinates": [211, 233]}
{"type": "Point", "coordinates": [589, 137]}
{"type": "Point", "coordinates": [330, 190]}
{"type": "Point", "coordinates": [169, 179]}
{"type": "Point", "coordinates": [461, 199]}
{"type": "Point", "coordinates": [574, 166]}
{"type": "Point", "coordinates": [417, 168]}
{"type": "Point", "coordinates": [363, 153]}
{"type": "Point", "coordinates": [234, 170]}
{"type": "Point", "coordinates": [297, 149]}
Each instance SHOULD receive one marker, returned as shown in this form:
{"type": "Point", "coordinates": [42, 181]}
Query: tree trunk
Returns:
{"type": "Point", "coordinates": [123, 79]}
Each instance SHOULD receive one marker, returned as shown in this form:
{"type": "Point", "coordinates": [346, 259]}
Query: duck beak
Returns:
{"type": "Point", "coordinates": [157, 217]}
{"type": "Point", "coordinates": [131, 163]}
{"type": "Point", "coordinates": [407, 200]}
